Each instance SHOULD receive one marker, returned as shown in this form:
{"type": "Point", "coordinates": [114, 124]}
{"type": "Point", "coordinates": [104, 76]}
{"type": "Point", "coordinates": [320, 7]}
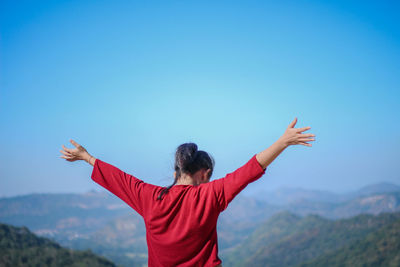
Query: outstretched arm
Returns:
{"type": "Point", "coordinates": [127, 187]}
{"type": "Point", "coordinates": [229, 186]}
{"type": "Point", "coordinates": [292, 136]}
{"type": "Point", "coordinates": [78, 153]}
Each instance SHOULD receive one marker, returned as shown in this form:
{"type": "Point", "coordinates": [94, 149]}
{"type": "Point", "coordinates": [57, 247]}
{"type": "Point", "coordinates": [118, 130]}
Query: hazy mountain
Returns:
{"type": "Point", "coordinates": [65, 216]}
{"type": "Point", "coordinates": [371, 204]}
{"type": "Point", "coordinates": [97, 221]}
{"type": "Point", "coordinates": [289, 195]}
{"type": "Point", "coordinates": [105, 224]}
{"type": "Point", "coordinates": [123, 240]}
{"type": "Point", "coordinates": [377, 188]}
{"type": "Point", "coordinates": [240, 218]}
{"type": "Point", "coordinates": [290, 240]}
{"type": "Point", "coordinates": [19, 247]}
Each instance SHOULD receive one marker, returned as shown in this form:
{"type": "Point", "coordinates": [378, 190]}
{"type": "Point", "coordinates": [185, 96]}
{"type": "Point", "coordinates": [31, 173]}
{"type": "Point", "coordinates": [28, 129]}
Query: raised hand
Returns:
{"type": "Point", "coordinates": [294, 136]}
{"type": "Point", "coordinates": [77, 153]}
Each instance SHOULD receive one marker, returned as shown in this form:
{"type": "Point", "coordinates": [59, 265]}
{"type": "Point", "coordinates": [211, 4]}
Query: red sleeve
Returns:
{"type": "Point", "coordinates": [228, 187]}
{"type": "Point", "coordinates": [125, 186]}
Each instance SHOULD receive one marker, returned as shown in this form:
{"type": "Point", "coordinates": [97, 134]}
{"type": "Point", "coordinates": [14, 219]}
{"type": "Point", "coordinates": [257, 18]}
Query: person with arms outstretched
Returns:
{"type": "Point", "coordinates": [181, 219]}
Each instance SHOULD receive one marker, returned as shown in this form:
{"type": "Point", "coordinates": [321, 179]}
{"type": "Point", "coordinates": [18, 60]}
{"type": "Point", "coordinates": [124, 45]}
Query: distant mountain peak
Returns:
{"type": "Point", "coordinates": [383, 187]}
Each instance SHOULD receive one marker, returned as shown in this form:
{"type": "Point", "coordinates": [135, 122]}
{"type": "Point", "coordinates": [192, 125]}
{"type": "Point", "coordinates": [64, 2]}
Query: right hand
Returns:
{"type": "Point", "coordinates": [294, 136]}
{"type": "Point", "coordinates": [78, 153]}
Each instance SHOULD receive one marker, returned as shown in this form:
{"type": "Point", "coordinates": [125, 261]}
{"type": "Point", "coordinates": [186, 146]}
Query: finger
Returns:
{"type": "Point", "coordinates": [303, 129]}
{"type": "Point", "coordinates": [293, 123]}
{"type": "Point", "coordinates": [304, 144]}
{"type": "Point", "coordinates": [66, 153]}
{"type": "Point", "coordinates": [74, 143]}
{"type": "Point", "coordinates": [306, 135]}
{"type": "Point", "coordinates": [66, 157]}
{"type": "Point", "coordinates": [67, 149]}
{"type": "Point", "coordinates": [305, 139]}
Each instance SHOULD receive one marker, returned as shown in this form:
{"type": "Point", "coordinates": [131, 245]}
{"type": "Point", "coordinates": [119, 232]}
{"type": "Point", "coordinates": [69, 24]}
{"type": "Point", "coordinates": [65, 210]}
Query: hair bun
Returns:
{"type": "Point", "coordinates": [185, 155]}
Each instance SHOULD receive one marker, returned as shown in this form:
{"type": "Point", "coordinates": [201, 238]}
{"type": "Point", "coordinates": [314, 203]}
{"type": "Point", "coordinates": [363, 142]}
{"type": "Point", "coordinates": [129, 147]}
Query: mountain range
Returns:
{"type": "Point", "coordinates": [290, 240]}
{"type": "Point", "coordinates": [105, 224]}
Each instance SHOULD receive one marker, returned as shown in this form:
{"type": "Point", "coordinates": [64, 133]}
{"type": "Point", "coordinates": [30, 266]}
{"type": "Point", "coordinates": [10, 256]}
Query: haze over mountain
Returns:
{"type": "Point", "coordinates": [105, 224]}
{"type": "Point", "coordinates": [288, 195]}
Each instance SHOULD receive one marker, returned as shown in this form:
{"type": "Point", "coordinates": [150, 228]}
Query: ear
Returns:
{"type": "Point", "coordinates": [207, 173]}
{"type": "Point", "coordinates": [175, 175]}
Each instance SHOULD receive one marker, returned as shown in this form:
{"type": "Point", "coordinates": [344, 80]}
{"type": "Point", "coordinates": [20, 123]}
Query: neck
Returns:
{"type": "Point", "coordinates": [180, 182]}
{"type": "Point", "coordinates": [186, 180]}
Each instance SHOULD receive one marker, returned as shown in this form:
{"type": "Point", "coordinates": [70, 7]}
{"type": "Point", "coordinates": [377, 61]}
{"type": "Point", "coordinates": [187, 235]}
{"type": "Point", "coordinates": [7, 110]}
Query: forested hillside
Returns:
{"type": "Point", "coordinates": [19, 247]}
{"type": "Point", "coordinates": [378, 248]}
{"type": "Point", "coordinates": [290, 240]}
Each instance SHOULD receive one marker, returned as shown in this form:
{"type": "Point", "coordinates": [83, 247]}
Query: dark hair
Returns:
{"type": "Point", "coordinates": [189, 160]}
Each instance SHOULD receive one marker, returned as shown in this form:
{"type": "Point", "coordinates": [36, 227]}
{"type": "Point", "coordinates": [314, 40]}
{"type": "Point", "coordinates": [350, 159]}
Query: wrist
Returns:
{"type": "Point", "coordinates": [282, 143]}
{"type": "Point", "coordinates": [87, 158]}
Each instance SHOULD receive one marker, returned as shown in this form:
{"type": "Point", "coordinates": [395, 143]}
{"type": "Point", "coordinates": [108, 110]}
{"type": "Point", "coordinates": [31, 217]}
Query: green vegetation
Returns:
{"type": "Point", "coordinates": [289, 240]}
{"type": "Point", "coordinates": [19, 247]}
{"type": "Point", "coordinates": [379, 248]}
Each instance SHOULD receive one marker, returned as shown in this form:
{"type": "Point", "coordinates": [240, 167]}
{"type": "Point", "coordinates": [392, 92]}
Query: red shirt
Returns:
{"type": "Point", "coordinates": [180, 228]}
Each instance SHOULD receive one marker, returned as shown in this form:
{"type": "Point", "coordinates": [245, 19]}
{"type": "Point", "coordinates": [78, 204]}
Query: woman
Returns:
{"type": "Point", "coordinates": [181, 219]}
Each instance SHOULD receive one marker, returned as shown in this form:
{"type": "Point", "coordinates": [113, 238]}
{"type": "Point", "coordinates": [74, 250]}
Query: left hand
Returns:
{"type": "Point", "coordinates": [294, 136]}
{"type": "Point", "coordinates": [78, 153]}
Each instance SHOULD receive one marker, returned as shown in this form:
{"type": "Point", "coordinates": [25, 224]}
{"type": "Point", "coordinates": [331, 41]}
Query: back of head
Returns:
{"type": "Point", "coordinates": [189, 160]}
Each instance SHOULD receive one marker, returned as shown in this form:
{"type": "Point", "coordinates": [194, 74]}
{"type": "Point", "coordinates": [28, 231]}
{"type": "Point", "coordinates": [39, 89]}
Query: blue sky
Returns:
{"type": "Point", "coordinates": [130, 81]}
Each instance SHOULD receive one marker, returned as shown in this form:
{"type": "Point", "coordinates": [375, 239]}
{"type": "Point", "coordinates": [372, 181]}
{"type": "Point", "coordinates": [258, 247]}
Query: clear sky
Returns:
{"type": "Point", "coordinates": [131, 80]}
